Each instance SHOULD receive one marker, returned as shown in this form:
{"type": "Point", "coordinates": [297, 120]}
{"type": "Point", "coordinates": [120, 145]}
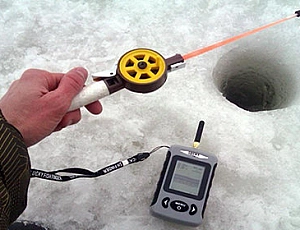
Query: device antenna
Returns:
{"type": "Point", "coordinates": [198, 134]}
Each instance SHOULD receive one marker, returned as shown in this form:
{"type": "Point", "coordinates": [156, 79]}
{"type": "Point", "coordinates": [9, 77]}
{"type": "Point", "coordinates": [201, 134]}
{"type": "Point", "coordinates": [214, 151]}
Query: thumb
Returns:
{"type": "Point", "coordinates": [72, 82]}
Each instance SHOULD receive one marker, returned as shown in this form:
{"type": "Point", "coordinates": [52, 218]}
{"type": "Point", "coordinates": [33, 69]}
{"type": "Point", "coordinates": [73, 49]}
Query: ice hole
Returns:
{"type": "Point", "coordinates": [254, 79]}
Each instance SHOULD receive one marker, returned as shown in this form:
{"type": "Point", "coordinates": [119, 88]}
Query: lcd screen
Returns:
{"type": "Point", "coordinates": [187, 177]}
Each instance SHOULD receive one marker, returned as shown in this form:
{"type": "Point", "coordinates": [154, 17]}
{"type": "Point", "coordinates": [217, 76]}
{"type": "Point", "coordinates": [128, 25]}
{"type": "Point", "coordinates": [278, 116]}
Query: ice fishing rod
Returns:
{"type": "Point", "coordinates": [145, 70]}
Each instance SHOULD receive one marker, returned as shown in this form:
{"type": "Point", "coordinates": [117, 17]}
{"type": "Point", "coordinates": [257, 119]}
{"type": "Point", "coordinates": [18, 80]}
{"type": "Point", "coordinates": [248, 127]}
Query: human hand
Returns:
{"type": "Point", "coordinates": [37, 104]}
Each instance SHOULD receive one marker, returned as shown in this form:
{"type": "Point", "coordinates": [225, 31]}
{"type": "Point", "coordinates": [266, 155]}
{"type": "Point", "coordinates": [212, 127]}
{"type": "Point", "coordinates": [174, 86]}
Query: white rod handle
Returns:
{"type": "Point", "coordinates": [89, 94]}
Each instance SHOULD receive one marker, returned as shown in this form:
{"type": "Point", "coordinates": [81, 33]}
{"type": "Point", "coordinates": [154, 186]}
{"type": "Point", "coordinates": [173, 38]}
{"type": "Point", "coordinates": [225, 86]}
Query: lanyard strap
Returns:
{"type": "Point", "coordinates": [85, 173]}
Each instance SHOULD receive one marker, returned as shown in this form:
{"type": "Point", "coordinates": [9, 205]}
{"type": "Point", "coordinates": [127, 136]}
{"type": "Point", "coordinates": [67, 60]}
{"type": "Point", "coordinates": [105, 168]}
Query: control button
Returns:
{"type": "Point", "coordinates": [179, 206]}
{"type": "Point", "coordinates": [193, 210]}
{"type": "Point", "coordinates": [165, 202]}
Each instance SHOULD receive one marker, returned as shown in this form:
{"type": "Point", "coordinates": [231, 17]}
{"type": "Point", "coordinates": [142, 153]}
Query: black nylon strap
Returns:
{"type": "Point", "coordinates": [85, 173]}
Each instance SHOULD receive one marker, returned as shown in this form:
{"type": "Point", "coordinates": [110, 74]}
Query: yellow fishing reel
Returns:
{"type": "Point", "coordinates": [143, 70]}
{"type": "Point", "coordinates": [139, 70]}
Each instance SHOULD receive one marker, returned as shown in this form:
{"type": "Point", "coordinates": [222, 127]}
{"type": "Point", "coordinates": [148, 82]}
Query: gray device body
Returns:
{"type": "Point", "coordinates": [183, 188]}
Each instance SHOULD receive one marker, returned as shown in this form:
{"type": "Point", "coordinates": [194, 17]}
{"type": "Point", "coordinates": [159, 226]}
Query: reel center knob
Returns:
{"type": "Point", "coordinates": [142, 65]}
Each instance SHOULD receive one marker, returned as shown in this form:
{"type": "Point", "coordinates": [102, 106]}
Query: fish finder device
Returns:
{"type": "Point", "coordinates": [183, 188]}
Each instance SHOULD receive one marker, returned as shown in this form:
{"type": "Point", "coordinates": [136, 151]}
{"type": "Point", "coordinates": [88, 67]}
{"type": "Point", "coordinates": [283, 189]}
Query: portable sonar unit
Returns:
{"type": "Point", "coordinates": [183, 188]}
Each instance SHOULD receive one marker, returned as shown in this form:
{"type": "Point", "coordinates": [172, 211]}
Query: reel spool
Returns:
{"type": "Point", "coordinates": [143, 70]}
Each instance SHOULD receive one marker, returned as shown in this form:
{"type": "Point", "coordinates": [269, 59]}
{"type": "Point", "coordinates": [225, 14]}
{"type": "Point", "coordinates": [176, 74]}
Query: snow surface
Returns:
{"type": "Point", "coordinates": [257, 183]}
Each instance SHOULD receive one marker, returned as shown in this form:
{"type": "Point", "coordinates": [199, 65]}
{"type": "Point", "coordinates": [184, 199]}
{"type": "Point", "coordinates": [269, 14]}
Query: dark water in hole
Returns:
{"type": "Point", "coordinates": [254, 79]}
{"type": "Point", "coordinates": [249, 90]}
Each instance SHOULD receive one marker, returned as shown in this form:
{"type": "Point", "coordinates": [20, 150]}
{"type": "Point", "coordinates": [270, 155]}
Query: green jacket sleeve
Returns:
{"type": "Point", "coordinates": [14, 173]}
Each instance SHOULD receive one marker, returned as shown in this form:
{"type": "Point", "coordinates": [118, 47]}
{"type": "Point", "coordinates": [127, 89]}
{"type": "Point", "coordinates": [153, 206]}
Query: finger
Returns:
{"type": "Point", "coordinates": [53, 80]}
{"type": "Point", "coordinates": [72, 83]}
{"type": "Point", "coordinates": [56, 77]}
{"type": "Point", "coordinates": [94, 108]}
{"type": "Point", "coordinates": [42, 78]}
{"type": "Point", "coordinates": [70, 118]}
